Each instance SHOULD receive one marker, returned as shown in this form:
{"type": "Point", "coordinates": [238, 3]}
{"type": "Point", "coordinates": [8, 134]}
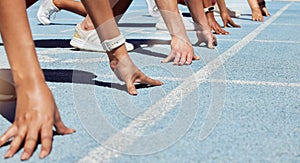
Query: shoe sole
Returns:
{"type": "Point", "coordinates": [82, 45]}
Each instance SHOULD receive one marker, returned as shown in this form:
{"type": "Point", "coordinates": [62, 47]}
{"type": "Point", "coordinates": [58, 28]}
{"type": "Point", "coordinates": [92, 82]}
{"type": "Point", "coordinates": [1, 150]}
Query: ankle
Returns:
{"type": "Point", "coordinates": [86, 26]}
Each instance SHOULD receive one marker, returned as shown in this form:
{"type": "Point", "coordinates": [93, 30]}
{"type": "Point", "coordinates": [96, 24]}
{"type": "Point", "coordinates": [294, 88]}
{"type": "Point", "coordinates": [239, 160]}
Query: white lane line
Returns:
{"type": "Point", "coordinates": [278, 41]}
{"type": "Point", "coordinates": [238, 82]}
{"type": "Point", "coordinates": [57, 51]}
{"type": "Point", "coordinates": [165, 105]}
{"type": "Point", "coordinates": [256, 83]}
{"type": "Point", "coordinates": [89, 60]}
{"type": "Point", "coordinates": [285, 24]}
{"type": "Point", "coordinates": [50, 35]}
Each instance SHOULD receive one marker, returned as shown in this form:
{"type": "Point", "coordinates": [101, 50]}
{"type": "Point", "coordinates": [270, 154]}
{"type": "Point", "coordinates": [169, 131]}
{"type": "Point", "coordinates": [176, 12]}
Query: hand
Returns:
{"type": "Point", "coordinates": [36, 114]}
{"type": "Point", "coordinates": [214, 25]}
{"type": "Point", "coordinates": [182, 52]}
{"type": "Point", "coordinates": [126, 71]}
{"type": "Point", "coordinates": [257, 15]}
{"type": "Point", "coordinates": [206, 37]}
{"type": "Point", "coordinates": [228, 21]}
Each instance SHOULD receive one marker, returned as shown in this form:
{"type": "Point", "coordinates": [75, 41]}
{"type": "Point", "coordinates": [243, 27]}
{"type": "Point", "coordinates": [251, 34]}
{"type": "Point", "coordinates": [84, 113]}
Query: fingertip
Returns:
{"type": "Point", "coordinates": [196, 58]}
{"type": "Point", "coordinates": [8, 154]}
{"type": "Point", "coordinates": [43, 154]}
{"type": "Point", "coordinates": [70, 131]}
{"type": "Point", "coordinates": [132, 91]}
{"type": "Point", "coordinates": [25, 156]}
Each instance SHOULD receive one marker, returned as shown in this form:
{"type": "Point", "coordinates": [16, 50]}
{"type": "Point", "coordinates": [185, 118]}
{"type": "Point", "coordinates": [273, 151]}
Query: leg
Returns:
{"type": "Point", "coordinates": [85, 36]}
{"type": "Point", "coordinates": [70, 5]}
{"type": "Point", "coordinates": [36, 110]}
{"type": "Point", "coordinates": [49, 7]}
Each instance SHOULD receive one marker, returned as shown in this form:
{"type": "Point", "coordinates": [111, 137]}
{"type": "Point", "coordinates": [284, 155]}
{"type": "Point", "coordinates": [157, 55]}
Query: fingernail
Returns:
{"type": "Point", "coordinates": [25, 156]}
{"type": "Point", "coordinates": [8, 154]}
{"type": "Point", "coordinates": [43, 154]}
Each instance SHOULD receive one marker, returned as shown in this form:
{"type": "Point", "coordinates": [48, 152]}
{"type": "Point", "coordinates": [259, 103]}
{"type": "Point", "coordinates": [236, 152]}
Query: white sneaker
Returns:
{"type": "Point", "coordinates": [152, 8]}
{"type": "Point", "coordinates": [46, 9]}
{"type": "Point", "coordinates": [231, 13]}
{"type": "Point", "coordinates": [189, 25]}
{"type": "Point", "coordinates": [89, 40]}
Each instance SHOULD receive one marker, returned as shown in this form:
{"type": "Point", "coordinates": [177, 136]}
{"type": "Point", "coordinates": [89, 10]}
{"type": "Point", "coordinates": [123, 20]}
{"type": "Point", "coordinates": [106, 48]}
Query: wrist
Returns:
{"type": "Point", "coordinates": [209, 9]}
{"type": "Point", "coordinates": [28, 78]}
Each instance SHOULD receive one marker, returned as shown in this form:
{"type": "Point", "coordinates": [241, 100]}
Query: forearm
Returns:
{"type": "Point", "coordinates": [17, 38]}
{"type": "Point", "coordinates": [172, 18]}
{"type": "Point", "coordinates": [253, 4]}
{"type": "Point", "coordinates": [197, 11]}
{"type": "Point", "coordinates": [222, 6]}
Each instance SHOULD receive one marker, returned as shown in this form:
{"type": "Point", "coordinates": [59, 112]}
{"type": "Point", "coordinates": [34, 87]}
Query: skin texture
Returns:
{"type": "Point", "coordinates": [258, 11]}
{"type": "Point", "coordinates": [214, 25]}
{"type": "Point", "coordinates": [227, 21]}
{"type": "Point", "coordinates": [181, 49]}
{"type": "Point", "coordinates": [71, 5]}
{"type": "Point", "coordinates": [120, 61]}
{"type": "Point", "coordinates": [36, 111]}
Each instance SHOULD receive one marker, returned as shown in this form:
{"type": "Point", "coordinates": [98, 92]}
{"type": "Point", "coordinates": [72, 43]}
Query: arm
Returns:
{"type": "Point", "coordinates": [100, 11]}
{"type": "Point", "coordinates": [36, 111]}
{"type": "Point", "coordinates": [182, 51]}
{"type": "Point", "coordinates": [224, 14]}
{"type": "Point", "coordinates": [204, 32]}
{"type": "Point", "coordinates": [214, 25]}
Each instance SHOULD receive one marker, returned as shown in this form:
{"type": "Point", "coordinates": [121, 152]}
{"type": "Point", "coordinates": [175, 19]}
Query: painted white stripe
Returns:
{"type": "Point", "coordinates": [256, 83]}
{"type": "Point", "coordinates": [165, 105]}
{"type": "Point", "coordinates": [89, 60]}
{"type": "Point", "coordinates": [50, 35]}
{"type": "Point", "coordinates": [278, 41]}
{"type": "Point", "coordinates": [239, 82]}
{"type": "Point", "coordinates": [57, 51]}
{"type": "Point", "coordinates": [285, 24]}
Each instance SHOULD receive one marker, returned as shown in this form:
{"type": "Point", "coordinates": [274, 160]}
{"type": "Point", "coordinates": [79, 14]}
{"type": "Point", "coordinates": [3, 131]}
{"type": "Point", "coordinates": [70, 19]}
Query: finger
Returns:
{"type": "Point", "coordinates": [30, 142]}
{"type": "Point", "coordinates": [16, 143]}
{"type": "Point", "coordinates": [195, 57]}
{"type": "Point", "coordinates": [215, 42]}
{"type": "Point", "coordinates": [169, 58]}
{"type": "Point", "coordinates": [183, 59]}
{"type": "Point", "coordinates": [46, 140]}
{"type": "Point", "coordinates": [210, 44]}
{"type": "Point", "coordinates": [177, 58]}
{"type": "Point", "coordinates": [189, 59]}
{"type": "Point", "coordinates": [150, 81]}
{"type": "Point", "coordinates": [233, 24]}
{"type": "Point", "coordinates": [224, 32]}
{"type": "Point", "coordinates": [60, 126]}
{"type": "Point", "coordinates": [10, 132]}
{"type": "Point", "coordinates": [62, 129]}
{"type": "Point", "coordinates": [131, 88]}
{"type": "Point", "coordinates": [225, 24]}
